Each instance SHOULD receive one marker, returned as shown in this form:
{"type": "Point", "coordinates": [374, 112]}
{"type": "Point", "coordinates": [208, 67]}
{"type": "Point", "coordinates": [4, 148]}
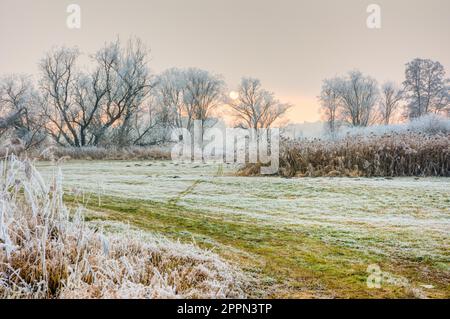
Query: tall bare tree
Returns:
{"type": "Point", "coordinates": [89, 94]}
{"type": "Point", "coordinates": [426, 88]}
{"type": "Point", "coordinates": [358, 94]}
{"type": "Point", "coordinates": [329, 101]}
{"type": "Point", "coordinates": [256, 107]}
{"type": "Point", "coordinates": [57, 82]}
{"type": "Point", "coordinates": [202, 94]}
{"type": "Point", "coordinates": [391, 97]}
{"type": "Point", "coordinates": [127, 81]}
{"type": "Point", "coordinates": [89, 108]}
{"type": "Point", "coordinates": [182, 96]}
{"type": "Point", "coordinates": [169, 99]}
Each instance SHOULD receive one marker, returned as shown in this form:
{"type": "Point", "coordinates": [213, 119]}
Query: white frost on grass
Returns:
{"type": "Point", "coordinates": [48, 252]}
{"type": "Point", "coordinates": [403, 217]}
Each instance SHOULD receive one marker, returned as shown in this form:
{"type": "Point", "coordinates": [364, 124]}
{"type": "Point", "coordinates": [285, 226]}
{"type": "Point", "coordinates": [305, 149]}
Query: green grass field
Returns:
{"type": "Point", "coordinates": [295, 238]}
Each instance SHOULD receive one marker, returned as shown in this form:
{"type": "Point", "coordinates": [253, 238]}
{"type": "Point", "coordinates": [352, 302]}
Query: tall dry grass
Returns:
{"type": "Point", "coordinates": [388, 155]}
{"type": "Point", "coordinates": [47, 252]}
{"type": "Point", "coordinates": [110, 153]}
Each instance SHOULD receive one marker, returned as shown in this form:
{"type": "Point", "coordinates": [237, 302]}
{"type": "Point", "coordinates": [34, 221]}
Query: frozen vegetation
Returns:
{"type": "Point", "coordinates": [427, 124]}
{"type": "Point", "coordinates": [308, 237]}
{"type": "Point", "coordinates": [49, 251]}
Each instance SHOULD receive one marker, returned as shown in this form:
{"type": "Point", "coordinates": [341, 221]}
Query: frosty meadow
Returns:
{"type": "Point", "coordinates": [291, 149]}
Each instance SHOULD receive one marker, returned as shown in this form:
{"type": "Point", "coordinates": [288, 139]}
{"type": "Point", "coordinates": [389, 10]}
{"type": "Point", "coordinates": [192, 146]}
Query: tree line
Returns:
{"type": "Point", "coordinates": [118, 101]}
{"type": "Point", "coordinates": [357, 100]}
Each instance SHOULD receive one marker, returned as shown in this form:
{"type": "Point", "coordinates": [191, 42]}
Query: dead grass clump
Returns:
{"type": "Point", "coordinates": [250, 169]}
{"type": "Point", "coordinates": [46, 252]}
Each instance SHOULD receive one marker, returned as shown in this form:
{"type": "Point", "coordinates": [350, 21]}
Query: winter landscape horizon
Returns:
{"type": "Point", "coordinates": [224, 150]}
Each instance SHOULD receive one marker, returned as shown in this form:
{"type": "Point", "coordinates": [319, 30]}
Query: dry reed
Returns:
{"type": "Point", "coordinates": [48, 252]}
{"type": "Point", "coordinates": [388, 155]}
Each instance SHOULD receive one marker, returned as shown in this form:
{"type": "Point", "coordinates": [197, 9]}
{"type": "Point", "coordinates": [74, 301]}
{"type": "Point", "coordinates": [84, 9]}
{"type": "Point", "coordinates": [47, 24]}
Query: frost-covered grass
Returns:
{"type": "Point", "coordinates": [427, 124]}
{"type": "Point", "coordinates": [48, 251]}
{"type": "Point", "coordinates": [307, 237]}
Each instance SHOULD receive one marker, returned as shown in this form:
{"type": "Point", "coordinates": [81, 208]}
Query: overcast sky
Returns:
{"type": "Point", "coordinates": [291, 45]}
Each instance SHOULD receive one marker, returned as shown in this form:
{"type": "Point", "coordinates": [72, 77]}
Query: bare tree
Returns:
{"type": "Point", "coordinates": [256, 107]}
{"type": "Point", "coordinates": [329, 100]}
{"type": "Point", "coordinates": [390, 99]}
{"type": "Point", "coordinates": [57, 83]}
{"type": "Point", "coordinates": [89, 94]}
{"type": "Point", "coordinates": [19, 110]}
{"type": "Point", "coordinates": [202, 94]}
{"type": "Point", "coordinates": [88, 108]}
{"type": "Point", "coordinates": [148, 126]}
{"type": "Point", "coordinates": [182, 96]}
{"type": "Point", "coordinates": [358, 95]}
{"type": "Point", "coordinates": [168, 99]}
{"type": "Point", "coordinates": [426, 88]}
{"type": "Point", "coordinates": [127, 82]}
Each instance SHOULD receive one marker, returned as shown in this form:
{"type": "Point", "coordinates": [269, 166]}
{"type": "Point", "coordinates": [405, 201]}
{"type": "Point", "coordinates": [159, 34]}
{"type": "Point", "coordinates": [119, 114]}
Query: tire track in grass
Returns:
{"type": "Point", "coordinates": [190, 188]}
{"type": "Point", "coordinates": [187, 191]}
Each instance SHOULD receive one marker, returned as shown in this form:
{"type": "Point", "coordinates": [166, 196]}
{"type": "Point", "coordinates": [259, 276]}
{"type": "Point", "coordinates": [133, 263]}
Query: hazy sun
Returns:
{"type": "Point", "coordinates": [234, 95]}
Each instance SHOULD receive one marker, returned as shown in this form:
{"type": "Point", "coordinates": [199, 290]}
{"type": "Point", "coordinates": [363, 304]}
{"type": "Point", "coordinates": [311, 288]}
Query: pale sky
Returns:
{"type": "Point", "coordinates": [290, 45]}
